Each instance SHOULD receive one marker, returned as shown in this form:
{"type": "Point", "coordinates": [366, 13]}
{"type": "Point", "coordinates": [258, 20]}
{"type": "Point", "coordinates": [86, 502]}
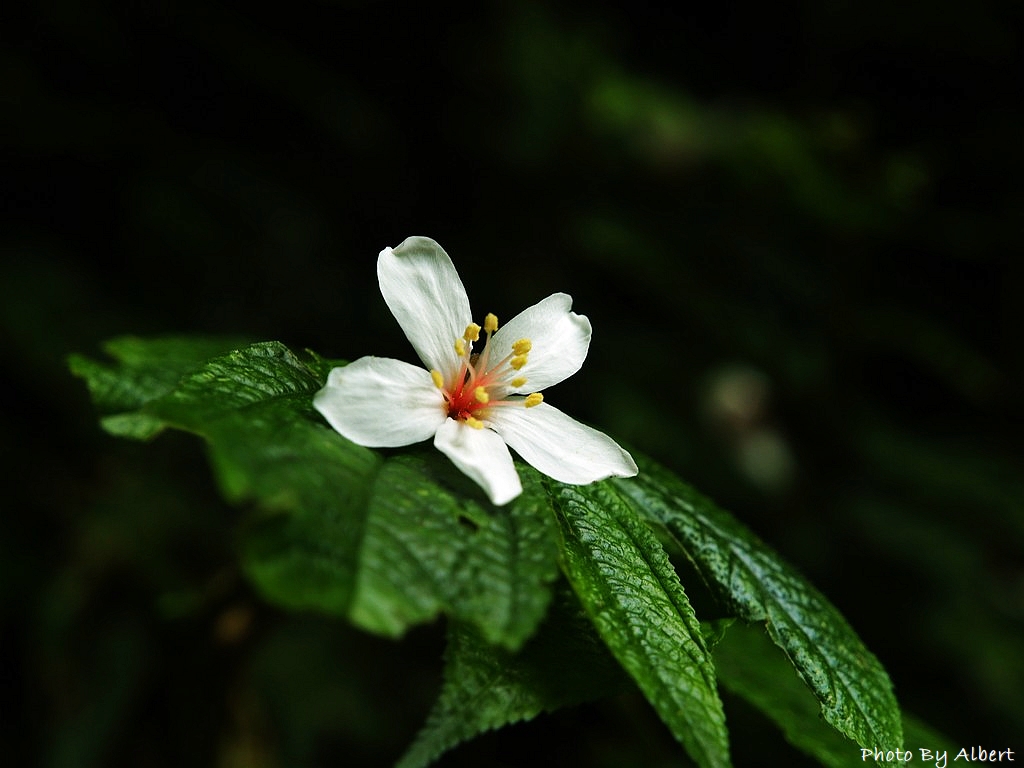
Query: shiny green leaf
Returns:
{"type": "Point", "coordinates": [755, 584]}
{"type": "Point", "coordinates": [388, 542]}
{"type": "Point", "coordinates": [624, 580]}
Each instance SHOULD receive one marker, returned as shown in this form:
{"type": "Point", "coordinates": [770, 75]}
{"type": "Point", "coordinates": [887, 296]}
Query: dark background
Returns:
{"type": "Point", "coordinates": [796, 229]}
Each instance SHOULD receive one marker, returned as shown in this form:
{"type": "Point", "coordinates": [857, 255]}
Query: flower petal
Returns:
{"type": "Point", "coordinates": [379, 402]}
{"type": "Point", "coordinates": [423, 291]}
{"type": "Point", "coordinates": [559, 446]}
{"type": "Point", "coordinates": [560, 340]}
{"type": "Point", "coordinates": [482, 455]}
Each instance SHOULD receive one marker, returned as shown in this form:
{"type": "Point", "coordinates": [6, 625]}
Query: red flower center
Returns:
{"type": "Point", "coordinates": [478, 386]}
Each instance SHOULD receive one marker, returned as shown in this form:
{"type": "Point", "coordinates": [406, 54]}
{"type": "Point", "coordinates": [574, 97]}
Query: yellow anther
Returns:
{"type": "Point", "coordinates": [535, 399]}
{"type": "Point", "coordinates": [472, 332]}
{"type": "Point", "coordinates": [517, 362]}
{"type": "Point", "coordinates": [491, 323]}
{"type": "Point", "coordinates": [517, 382]}
{"type": "Point", "coordinates": [438, 379]}
{"type": "Point", "coordinates": [480, 395]}
{"type": "Point", "coordinates": [474, 423]}
{"type": "Point", "coordinates": [460, 347]}
{"type": "Point", "coordinates": [522, 346]}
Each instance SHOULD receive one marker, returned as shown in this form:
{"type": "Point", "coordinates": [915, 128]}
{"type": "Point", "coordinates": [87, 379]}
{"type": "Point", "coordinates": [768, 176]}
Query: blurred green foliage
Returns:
{"type": "Point", "coordinates": [796, 231]}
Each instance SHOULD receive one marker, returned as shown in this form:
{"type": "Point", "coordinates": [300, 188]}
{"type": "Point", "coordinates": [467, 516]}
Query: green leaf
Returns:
{"type": "Point", "coordinates": [301, 545]}
{"type": "Point", "coordinates": [407, 550]}
{"type": "Point", "coordinates": [387, 542]}
{"type": "Point", "coordinates": [756, 585]}
{"type": "Point", "coordinates": [260, 378]}
{"type": "Point", "coordinates": [435, 544]}
{"type": "Point", "coordinates": [624, 580]}
{"type": "Point", "coordinates": [752, 667]}
{"type": "Point", "coordinates": [145, 370]}
{"type": "Point", "coordinates": [253, 406]}
{"type": "Point", "coordinates": [486, 687]}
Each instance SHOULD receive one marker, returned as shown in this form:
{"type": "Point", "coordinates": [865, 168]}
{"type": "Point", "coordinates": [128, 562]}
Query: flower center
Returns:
{"type": "Point", "coordinates": [478, 384]}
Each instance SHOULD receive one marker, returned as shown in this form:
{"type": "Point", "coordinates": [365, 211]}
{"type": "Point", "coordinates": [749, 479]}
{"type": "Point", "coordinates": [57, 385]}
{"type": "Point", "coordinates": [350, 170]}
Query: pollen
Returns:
{"type": "Point", "coordinates": [517, 382]}
{"type": "Point", "coordinates": [437, 379]}
{"type": "Point", "coordinates": [522, 346]}
{"type": "Point", "coordinates": [480, 395]}
{"type": "Point", "coordinates": [474, 423]}
{"type": "Point", "coordinates": [491, 322]}
{"type": "Point", "coordinates": [535, 399]}
{"type": "Point", "coordinates": [472, 332]}
{"type": "Point", "coordinates": [460, 347]}
{"type": "Point", "coordinates": [517, 362]}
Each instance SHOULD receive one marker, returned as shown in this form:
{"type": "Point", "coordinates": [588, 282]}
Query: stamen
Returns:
{"type": "Point", "coordinates": [470, 390]}
{"type": "Point", "coordinates": [490, 325]}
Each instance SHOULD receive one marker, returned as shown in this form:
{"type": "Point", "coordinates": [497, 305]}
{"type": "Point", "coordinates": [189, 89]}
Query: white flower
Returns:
{"type": "Point", "coordinates": [473, 402]}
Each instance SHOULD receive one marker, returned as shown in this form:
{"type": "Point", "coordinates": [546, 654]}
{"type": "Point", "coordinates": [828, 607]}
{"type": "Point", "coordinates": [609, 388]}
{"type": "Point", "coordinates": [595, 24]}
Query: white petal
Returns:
{"type": "Point", "coordinates": [423, 291]}
{"type": "Point", "coordinates": [560, 340]}
{"type": "Point", "coordinates": [482, 455]}
{"type": "Point", "coordinates": [559, 446]}
{"type": "Point", "coordinates": [379, 402]}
